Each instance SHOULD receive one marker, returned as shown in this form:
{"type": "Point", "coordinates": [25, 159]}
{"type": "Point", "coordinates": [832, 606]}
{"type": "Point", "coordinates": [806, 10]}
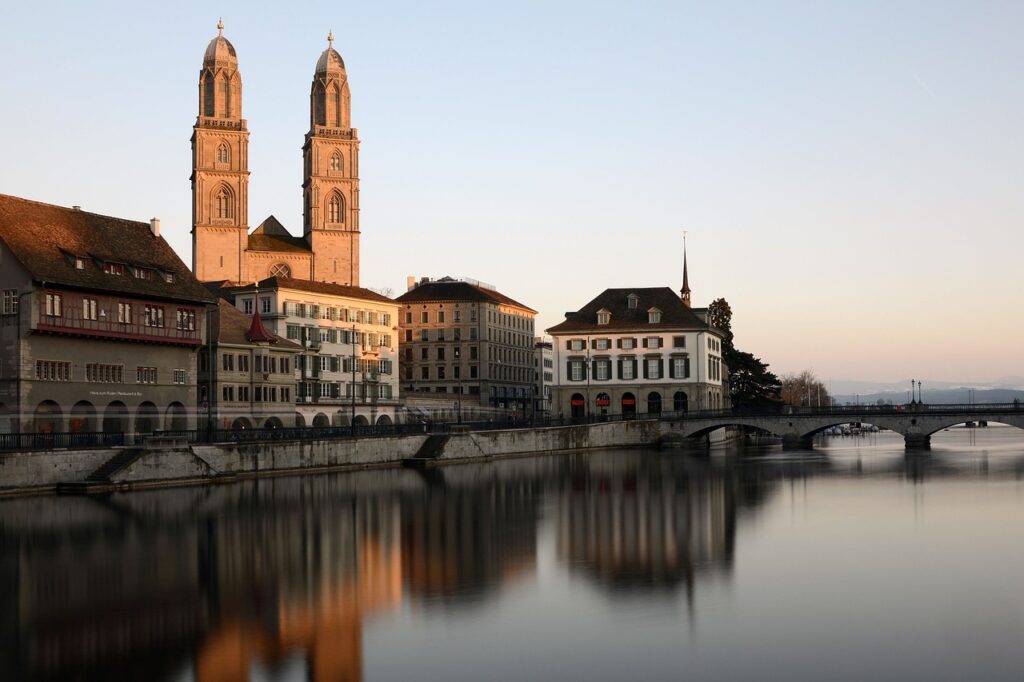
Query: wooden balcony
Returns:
{"type": "Point", "coordinates": [74, 321]}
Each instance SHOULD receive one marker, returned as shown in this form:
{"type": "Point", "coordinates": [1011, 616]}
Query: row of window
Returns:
{"type": "Point", "coordinates": [441, 334]}
{"type": "Point", "coordinates": [102, 373]}
{"type": "Point", "coordinates": [335, 363]}
{"type": "Point", "coordinates": [626, 343]}
{"type": "Point", "coordinates": [266, 364]}
{"type": "Point", "coordinates": [603, 369]}
{"type": "Point", "coordinates": [260, 394]}
{"type": "Point", "coordinates": [653, 316]}
{"type": "Point", "coordinates": [442, 373]}
{"type": "Point", "coordinates": [152, 315]}
{"type": "Point", "coordinates": [440, 316]}
{"type": "Point", "coordinates": [325, 389]}
{"type": "Point", "coordinates": [441, 353]}
{"type": "Point", "coordinates": [319, 312]}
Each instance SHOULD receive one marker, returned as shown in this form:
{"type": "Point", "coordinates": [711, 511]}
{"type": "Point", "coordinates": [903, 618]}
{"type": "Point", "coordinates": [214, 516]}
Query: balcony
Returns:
{"type": "Point", "coordinates": [72, 320]}
{"type": "Point", "coordinates": [371, 376]}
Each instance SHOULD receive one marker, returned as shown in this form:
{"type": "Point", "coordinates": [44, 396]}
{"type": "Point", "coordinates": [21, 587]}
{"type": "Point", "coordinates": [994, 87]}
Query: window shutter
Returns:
{"type": "Point", "coordinates": [334, 364]}
{"type": "Point", "coordinates": [620, 368]}
{"type": "Point", "coordinates": [661, 367]}
{"type": "Point", "coordinates": [671, 369]}
{"type": "Point", "coordinates": [635, 375]}
{"type": "Point", "coordinates": [568, 344]}
{"type": "Point", "coordinates": [686, 367]}
{"type": "Point", "coordinates": [645, 342]}
{"type": "Point", "coordinates": [618, 343]}
{"type": "Point", "coordinates": [645, 370]}
{"type": "Point", "coordinates": [568, 370]}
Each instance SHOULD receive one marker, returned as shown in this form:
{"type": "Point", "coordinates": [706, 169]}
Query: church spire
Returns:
{"type": "Point", "coordinates": [686, 279]}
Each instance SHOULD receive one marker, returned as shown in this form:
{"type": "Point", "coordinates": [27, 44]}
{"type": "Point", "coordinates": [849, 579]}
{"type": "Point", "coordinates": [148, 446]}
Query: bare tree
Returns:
{"type": "Point", "coordinates": [804, 389]}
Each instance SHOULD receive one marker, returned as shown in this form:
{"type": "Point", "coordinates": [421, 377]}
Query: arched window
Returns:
{"type": "Point", "coordinates": [335, 212]}
{"type": "Point", "coordinates": [336, 97]}
{"type": "Point", "coordinates": [222, 204]}
{"type": "Point", "coordinates": [223, 155]}
{"type": "Point", "coordinates": [280, 270]}
{"type": "Point", "coordinates": [336, 162]}
{"type": "Point", "coordinates": [225, 97]}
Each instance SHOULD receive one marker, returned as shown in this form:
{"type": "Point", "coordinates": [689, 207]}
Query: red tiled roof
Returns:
{"type": "Point", "coordinates": [45, 239]}
{"type": "Point", "coordinates": [455, 290]}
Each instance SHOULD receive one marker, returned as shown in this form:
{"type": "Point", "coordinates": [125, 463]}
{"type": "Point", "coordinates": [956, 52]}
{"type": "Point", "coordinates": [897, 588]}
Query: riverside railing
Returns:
{"type": "Point", "coordinates": [851, 413]}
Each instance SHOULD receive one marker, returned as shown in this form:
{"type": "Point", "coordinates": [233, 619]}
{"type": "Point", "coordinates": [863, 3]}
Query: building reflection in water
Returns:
{"type": "Point", "coordinates": [224, 581]}
{"type": "Point", "coordinates": [651, 523]}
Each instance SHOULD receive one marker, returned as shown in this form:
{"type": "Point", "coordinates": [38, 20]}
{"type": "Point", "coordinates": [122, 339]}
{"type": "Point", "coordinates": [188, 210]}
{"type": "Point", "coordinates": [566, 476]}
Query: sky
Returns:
{"type": "Point", "coordinates": [849, 174]}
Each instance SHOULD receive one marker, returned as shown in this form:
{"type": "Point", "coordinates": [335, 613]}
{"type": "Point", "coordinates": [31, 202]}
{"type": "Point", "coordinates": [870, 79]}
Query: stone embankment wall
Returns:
{"type": "Point", "coordinates": [198, 463]}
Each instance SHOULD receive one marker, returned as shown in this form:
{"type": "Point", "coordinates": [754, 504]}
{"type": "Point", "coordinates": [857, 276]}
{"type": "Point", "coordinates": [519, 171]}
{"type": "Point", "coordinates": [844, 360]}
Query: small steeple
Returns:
{"type": "Point", "coordinates": [220, 26]}
{"type": "Point", "coordinates": [330, 39]}
{"type": "Point", "coordinates": [685, 293]}
{"type": "Point", "coordinates": [257, 332]}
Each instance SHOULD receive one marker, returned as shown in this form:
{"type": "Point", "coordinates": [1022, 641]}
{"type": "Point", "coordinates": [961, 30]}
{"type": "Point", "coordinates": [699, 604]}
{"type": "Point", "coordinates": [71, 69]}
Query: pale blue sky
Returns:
{"type": "Point", "coordinates": [849, 173]}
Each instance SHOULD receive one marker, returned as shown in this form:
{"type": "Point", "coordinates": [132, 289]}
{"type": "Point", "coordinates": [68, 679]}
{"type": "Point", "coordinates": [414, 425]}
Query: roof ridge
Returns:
{"type": "Point", "coordinates": [72, 209]}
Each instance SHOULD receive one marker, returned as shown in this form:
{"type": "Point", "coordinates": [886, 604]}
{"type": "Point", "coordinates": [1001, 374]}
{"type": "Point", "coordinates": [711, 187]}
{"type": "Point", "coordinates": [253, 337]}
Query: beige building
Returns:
{"type": "Point", "coordinates": [462, 337]}
{"type": "Point", "coordinates": [99, 326]}
{"type": "Point", "coordinates": [348, 366]}
{"type": "Point", "coordinates": [253, 379]}
{"type": "Point", "coordinates": [222, 248]}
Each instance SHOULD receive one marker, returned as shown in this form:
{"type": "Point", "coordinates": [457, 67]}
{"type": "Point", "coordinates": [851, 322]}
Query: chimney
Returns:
{"type": "Point", "coordinates": [424, 280]}
{"type": "Point", "coordinates": [154, 226]}
{"type": "Point", "coordinates": [410, 282]}
{"type": "Point", "coordinates": [76, 207]}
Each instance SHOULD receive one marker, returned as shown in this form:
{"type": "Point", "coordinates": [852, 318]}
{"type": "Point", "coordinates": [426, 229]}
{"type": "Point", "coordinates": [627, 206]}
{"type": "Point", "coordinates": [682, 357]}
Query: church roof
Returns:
{"type": "Point", "coordinates": [447, 289]}
{"type": "Point", "coordinates": [230, 289]}
{"type": "Point", "coordinates": [275, 242]}
{"type": "Point", "coordinates": [674, 314]}
{"type": "Point", "coordinates": [47, 239]}
{"type": "Point", "coordinates": [220, 51]}
{"type": "Point", "coordinates": [330, 60]}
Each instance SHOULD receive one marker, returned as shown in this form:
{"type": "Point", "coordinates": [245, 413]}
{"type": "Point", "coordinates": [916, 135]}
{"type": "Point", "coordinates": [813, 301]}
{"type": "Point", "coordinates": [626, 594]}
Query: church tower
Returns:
{"type": "Point", "coordinates": [220, 168]}
{"type": "Point", "coordinates": [330, 185]}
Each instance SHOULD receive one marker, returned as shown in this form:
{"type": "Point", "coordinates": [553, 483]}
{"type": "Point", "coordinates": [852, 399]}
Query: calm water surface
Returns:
{"type": "Point", "coordinates": [850, 563]}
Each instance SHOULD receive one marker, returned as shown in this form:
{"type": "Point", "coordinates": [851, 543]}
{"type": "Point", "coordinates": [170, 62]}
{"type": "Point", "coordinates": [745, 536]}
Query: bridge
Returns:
{"type": "Point", "coordinates": [798, 425]}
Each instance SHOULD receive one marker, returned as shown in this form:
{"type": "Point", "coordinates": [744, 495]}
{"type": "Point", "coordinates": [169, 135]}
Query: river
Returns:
{"type": "Point", "coordinates": [851, 562]}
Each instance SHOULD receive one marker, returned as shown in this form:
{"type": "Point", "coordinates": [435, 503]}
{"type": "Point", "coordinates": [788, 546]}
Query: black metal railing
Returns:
{"type": "Point", "coordinates": [851, 413]}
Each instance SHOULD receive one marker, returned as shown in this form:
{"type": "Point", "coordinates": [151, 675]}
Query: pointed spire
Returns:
{"type": "Point", "coordinates": [257, 332]}
{"type": "Point", "coordinates": [330, 39]}
{"type": "Point", "coordinates": [220, 26]}
{"type": "Point", "coordinates": [686, 278]}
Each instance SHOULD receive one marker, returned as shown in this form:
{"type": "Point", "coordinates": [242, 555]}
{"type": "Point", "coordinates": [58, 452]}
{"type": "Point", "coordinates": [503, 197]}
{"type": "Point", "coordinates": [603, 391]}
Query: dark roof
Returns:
{"type": "Point", "coordinates": [274, 242]}
{"type": "Point", "coordinates": [455, 290]}
{"type": "Point", "coordinates": [230, 288]}
{"type": "Point", "coordinates": [45, 239]}
{"type": "Point", "coordinates": [674, 315]}
{"type": "Point", "coordinates": [233, 327]}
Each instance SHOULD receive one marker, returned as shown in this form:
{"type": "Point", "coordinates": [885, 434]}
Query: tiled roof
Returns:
{"type": "Point", "coordinates": [45, 239]}
{"type": "Point", "coordinates": [234, 325]}
{"type": "Point", "coordinates": [455, 290]}
{"type": "Point", "coordinates": [277, 242]}
{"type": "Point", "coordinates": [674, 315]}
{"type": "Point", "coordinates": [232, 288]}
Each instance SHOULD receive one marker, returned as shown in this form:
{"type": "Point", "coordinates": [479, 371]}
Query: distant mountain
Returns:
{"type": "Point", "coordinates": [934, 395]}
{"type": "Point", "coordinates": [846, 387]}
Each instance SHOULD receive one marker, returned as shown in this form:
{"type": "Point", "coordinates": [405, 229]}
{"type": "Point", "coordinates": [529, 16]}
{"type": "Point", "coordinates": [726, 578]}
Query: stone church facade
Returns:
{"type": "Point", "coordinates": [222, 247]}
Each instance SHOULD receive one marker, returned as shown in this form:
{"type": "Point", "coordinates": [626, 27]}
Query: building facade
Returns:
{"type": "Point", "coordinates": [636, 351]}
{"type": "Point", "coordinates": [348, 366]}
{"type": "Point", "coordinates": [222, 248]}
{"type": "Point", "coordinates": [252, 384]}
{"type": "Point", "coordinates": [464, 338]}
{"type": "Point", "coordinates": [99, 326]}
{"type": "Point", "coordinates": [543, 376]}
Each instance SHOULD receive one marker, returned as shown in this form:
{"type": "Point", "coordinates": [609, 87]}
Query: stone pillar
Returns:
{"type": "Point", "coordinates": [793, 441]}
{"type": "Point", "coordinates": [917, 441]}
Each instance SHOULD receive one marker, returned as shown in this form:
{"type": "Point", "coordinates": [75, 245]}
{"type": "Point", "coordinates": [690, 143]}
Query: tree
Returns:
{"type": "Point", "coordinates": [804, 389]}
{"type": "Point", "coordinates": [750, 381]}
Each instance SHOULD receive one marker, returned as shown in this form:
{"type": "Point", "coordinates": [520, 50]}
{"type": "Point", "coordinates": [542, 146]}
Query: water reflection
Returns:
{"type": "Point", "coordinates": [280, 577]}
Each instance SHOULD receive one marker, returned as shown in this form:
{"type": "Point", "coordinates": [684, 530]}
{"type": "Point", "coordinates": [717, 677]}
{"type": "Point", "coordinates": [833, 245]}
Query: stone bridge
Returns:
{"type": "Point", "coordinates": [798, 425]}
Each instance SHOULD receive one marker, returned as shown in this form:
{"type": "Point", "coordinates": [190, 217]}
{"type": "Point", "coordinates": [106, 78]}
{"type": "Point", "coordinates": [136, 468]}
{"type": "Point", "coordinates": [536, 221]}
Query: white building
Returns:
{"type": "Point", "coordinates": [349, 368]}
{"type": "Point", "coordinates": [637, 351]}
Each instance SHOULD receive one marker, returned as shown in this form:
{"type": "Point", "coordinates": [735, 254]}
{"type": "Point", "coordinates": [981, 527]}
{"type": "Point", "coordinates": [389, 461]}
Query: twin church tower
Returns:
{"type": "Point", "coordinates": [222, 248]}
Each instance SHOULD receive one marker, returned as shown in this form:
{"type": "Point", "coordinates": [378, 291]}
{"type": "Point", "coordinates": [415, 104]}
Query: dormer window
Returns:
{"type": "Point", "coordinates": [653, 316]}
{"type": "Point", "coordinates": [79, 263]}
{"type": "Point", "coordinates": [113, 268]}
{"type": "Point", "coordinates": [603, 316]}
{"type": "Point", "coordinates": [632, 300]}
